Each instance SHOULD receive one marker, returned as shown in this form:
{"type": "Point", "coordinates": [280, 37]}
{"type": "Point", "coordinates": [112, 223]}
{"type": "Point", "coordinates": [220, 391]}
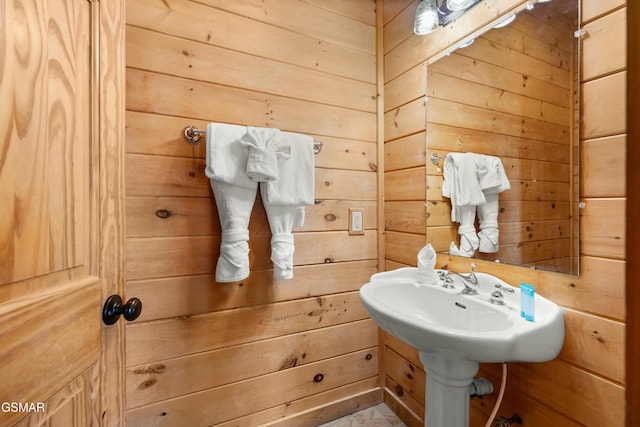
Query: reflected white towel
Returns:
{"type": "Point", "coordinates": [461, 182]}
{"type": "Point", "coordinates": [296, 175]}
{"type": "Point", "coordinates": [226, 159]}
{"type": "Point", "coordinates": [491, 175]}
{"type": "Point", "coordinates": [488, 217]}
{"type": "Point", "coordinates": [265, 147]}
{"type": "Point", "coordinates": [468, 238]}
{"type": "Point", "coordinates": [493, 180]}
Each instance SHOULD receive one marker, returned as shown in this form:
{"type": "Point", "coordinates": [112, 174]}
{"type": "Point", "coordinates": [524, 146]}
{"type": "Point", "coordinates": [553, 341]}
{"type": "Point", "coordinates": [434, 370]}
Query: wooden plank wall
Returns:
{"type": "Point", "coordinates": [480, 102]}
{"type": "Point", "coordinates": [585, 384]}
{"type": "Point", "coordinates": [259, 351]}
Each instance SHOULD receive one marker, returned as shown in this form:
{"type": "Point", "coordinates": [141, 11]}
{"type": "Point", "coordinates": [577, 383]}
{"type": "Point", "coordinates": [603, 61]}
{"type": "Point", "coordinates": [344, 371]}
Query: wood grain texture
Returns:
{"type": "Point", "coordinates": [595, 320]}
{"type": "Point", "coordinates": [301, 66]}
{"type": "Point", "coordinates": [173, 296]}
{"type": "Point", "coordinates": [45, 88]}
{"type": "Point", "coordinates": [49, 340]}
{"type": "Point", "coordinates": [165, 379]}
{"type": "Point", "coordinates": [508, 92]}
{"type": "Point", "coordinates": [316, 408]}
{"type": "Point", "coordinates": [291, 384]}
{"type": "Point", "coordinates": [50, 193]}
{"type": "Point", "coordinates": [632, 395]}
{"type": "Point", "coordinates": [231, 29]}
{"type": "Point", "coordinates": [70, 406]}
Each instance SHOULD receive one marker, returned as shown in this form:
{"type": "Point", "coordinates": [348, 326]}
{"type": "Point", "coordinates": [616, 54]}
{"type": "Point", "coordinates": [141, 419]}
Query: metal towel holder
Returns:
{"type": "Point", "coordinates": [192, 136]}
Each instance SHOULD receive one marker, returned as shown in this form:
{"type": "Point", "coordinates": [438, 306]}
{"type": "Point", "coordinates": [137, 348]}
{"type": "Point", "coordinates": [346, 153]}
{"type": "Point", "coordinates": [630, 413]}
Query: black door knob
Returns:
{"type": "Point", "coordinates": [114, 307]}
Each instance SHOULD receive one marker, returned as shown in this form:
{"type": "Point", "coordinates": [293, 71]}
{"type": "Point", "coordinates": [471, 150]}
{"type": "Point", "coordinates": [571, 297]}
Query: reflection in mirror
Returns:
{"type": "Point", "coordinates": [513, 94]}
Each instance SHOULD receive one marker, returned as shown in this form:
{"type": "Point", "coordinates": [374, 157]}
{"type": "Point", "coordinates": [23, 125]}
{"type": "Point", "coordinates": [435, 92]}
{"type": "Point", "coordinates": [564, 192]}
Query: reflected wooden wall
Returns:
{"type": "Point", "coordinates": [509, 95]}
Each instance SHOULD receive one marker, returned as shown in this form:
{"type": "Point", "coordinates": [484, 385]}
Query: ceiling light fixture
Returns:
{"type": "Point", "coordinates": [426, 20]}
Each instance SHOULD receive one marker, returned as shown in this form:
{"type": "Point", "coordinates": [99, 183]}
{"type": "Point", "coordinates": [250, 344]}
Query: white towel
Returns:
{"type": "Point", "coordinates": [474, 180]}
{"type": "Point", "coordinates": [226, 159]}
{"type": "Point", "coordinates": [282, 219]}
{"type": "Point", "coordinates": [491, 175]}
{"type": "Point", "coordinates": [265, 147]}
{"type": "Point", "coordinates": [489, 234]}
{"type": "Point", "coordinates": [426, 265]}
{"type": "Point", "coordinates": [493, 180]}
{"type": "Point", "coordinates": [461, 183]}
{"type": "Point", "coordinates": [296, 175]}
{"type": "Point", "coordinates": [234, 205]}
{"type": "Point", "coordinates": [469, 241]}
{"type": "Point", "coordinates": [235, 195]}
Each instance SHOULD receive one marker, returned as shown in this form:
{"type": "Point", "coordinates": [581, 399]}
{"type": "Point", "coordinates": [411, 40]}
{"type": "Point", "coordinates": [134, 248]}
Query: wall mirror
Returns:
{"type": "Point", "coordinates": [513, 93]}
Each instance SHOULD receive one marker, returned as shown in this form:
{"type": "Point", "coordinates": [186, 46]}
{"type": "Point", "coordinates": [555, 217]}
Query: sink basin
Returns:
{"type": "Point", "coordinates": [455, 332]}
{"type": "Point", "coordinates": [434, 319]}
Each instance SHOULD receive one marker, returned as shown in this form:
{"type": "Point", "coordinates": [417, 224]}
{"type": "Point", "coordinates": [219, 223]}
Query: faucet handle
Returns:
{"type": "Point", "coordinates": [447, 280]}
{"type": "Point", "coordinates": [473, 267]}
{"type": "Point", "coordinates": [497, 297]}
{"type": "Point", "coordinates": [503, 288]}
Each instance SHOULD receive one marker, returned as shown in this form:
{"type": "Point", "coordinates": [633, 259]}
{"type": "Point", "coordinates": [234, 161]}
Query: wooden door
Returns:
{"type": "Point", "coordinates": [61, 239]}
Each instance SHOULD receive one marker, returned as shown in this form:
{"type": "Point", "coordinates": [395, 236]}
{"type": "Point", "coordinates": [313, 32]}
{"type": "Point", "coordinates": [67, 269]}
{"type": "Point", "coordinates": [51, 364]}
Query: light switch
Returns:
{"type": "Point", "coordinates": [356, 221]}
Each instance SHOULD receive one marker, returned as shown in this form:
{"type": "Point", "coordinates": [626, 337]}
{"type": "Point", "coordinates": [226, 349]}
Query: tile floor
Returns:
{"type": "Point", "coordinates": [376, 416]}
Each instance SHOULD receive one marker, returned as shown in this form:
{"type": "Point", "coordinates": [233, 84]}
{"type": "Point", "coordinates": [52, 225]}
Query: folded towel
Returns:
{"type": "Point", "coordinates": [491, 175]}
{"type": "Point", "coordinates": [265, 147]}
{"type": "Point", "coordinates": [493, 180]}
{"type": "Point", "coordinates": [234, 205]}
{"type": "Point", "coordinates": [227, 157]}
{"type": "Point", "coordinates": [474, 180]}
{"type": "Point", "coordinates": [426, 265]}
{"type": "Point", "coordinates": [282, 249]}
{"type": "Point", "coordinates": [282, 219]}
{"type": "Point", "coordinates": [468, 238]}
{"type": "Point", "coordinates": [467, 244]}
{"type": "Point", "coordinates": [296, 175]}
{"type": "Point", "coordinates": [489, 234]}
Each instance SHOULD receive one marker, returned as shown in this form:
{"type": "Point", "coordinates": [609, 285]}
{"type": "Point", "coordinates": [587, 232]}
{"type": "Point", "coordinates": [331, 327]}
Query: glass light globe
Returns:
{"type": "Point", "coordinates": [426, 20]}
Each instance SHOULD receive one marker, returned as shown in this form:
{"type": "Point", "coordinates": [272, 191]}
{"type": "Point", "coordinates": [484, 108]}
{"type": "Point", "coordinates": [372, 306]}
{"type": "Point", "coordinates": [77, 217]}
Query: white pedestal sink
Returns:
{"type": "Point", "coordinates": [455, 332]}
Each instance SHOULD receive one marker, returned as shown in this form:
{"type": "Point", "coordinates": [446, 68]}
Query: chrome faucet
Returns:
{"type": "Point", "coordinates": [469, 280]}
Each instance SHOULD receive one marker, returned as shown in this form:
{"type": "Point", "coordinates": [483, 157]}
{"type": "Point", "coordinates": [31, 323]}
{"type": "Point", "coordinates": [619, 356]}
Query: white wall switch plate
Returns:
{"type": "Point", "coordinates": [356, 221]}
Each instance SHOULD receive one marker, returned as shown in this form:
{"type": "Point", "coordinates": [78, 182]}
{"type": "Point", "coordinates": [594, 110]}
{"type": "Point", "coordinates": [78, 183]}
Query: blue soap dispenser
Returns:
{"type": "Point", "coordinates": [527, 305]}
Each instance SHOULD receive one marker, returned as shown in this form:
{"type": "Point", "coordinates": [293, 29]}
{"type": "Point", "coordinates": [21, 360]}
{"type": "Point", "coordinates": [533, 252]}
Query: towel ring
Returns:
{"type": "Point", "coordinates": [192, 136]}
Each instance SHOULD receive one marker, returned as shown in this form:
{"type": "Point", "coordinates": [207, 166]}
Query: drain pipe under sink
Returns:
{"type": "Point", "coordinates": [479, 387]}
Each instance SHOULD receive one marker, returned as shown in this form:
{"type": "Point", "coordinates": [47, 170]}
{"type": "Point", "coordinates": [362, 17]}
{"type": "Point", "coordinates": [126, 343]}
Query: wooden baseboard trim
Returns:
{"type": "Point", "coordinates": [331, 411]}
{"type": "Point", "coordinates": [410, 418]}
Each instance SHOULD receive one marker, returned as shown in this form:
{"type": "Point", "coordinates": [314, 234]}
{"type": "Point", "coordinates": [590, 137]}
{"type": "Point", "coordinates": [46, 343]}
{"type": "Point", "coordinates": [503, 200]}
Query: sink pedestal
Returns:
{"type": "Point", "coordinates": [448, 379]}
